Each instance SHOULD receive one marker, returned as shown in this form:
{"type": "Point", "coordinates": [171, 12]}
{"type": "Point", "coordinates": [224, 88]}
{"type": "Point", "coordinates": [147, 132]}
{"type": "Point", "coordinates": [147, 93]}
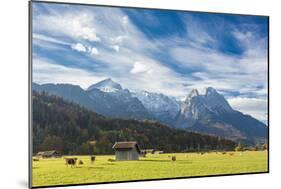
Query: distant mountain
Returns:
{"type": "Point", "coordinates": [207, 113]}
{"type": "Point", "coordinates": [106, 98]}
{"type": "Point", "coordinates": [163, 108]}
{"type": "Point", "coordinates": [67, 127]}
{"type": "Point", "coordinates": [210, 113]}
{"type": "Point", "coordinates": [116, 101]}
{"type": "Point", "coordinates": [69, 92]}
{"type": "Point", "coordinates": [106, 85]}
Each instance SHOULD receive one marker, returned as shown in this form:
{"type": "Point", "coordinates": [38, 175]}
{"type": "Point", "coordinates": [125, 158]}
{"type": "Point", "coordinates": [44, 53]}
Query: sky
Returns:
{"type": "Point", "coordinates": [169, 52]}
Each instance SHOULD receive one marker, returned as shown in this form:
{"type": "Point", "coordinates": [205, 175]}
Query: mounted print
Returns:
{"type": "Point", "coordinates": [120, 94]}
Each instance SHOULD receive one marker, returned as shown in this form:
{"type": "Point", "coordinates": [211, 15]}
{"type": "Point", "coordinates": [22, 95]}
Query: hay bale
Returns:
{"type": "Point", "coordinates": [93, 159]}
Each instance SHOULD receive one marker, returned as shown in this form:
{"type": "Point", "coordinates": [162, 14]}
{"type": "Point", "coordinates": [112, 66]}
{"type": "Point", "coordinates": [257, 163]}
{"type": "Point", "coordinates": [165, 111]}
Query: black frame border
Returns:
{"type": "Point", "coordinates": [30, 63]}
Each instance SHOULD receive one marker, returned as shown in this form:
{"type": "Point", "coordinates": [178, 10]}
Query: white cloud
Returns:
{"type": "Point", "coordinates": [226, 72]}
{"type": "Point", "coordinates": [119, 39]}
{"type": "Point", "coordinates": [252, 106]}
{"type": "Point", "coordinates": [125, 19]}
{"type": "Point", "coordinates": [94, 51]}
{"type": "Point", "coordinates": [116, 48]}
{"type": "Point", "coordinates": [79, 47]}
{"type": "Point", "coordinates": [88, 33]}
{"type": "Point", "coordinates": [196, 33]}
{"type": "Point", "coordinates": [140, 68]}
{"type": "Point", "coordinates": [85, 49]}
{"type": "Point", "coordinates": [49, 39]}
{"type": "Point", "coordinates": [47, 71]}
{"type": "Point", "coordinates": [70, 24]}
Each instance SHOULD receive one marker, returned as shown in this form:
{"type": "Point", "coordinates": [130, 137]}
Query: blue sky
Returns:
{"type": "Point", "coordinates": [155, 50]}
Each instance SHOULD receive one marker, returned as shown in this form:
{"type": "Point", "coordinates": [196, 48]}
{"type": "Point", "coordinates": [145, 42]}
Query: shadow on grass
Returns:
{"type": "Point", "coordinates": [95, 167]}
{"type": "Point", "coordinates": [155, 160]}
{"type": "Point", "coordinates": [108, 164]}
{"type": "Point", "coordinates": [184, 162]}
{"type": "Point", "coordinates": [178, 161]}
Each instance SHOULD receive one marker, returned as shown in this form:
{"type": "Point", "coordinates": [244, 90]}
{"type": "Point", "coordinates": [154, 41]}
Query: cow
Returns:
{"type": "Point", "coordinates": [35, 159]}
{"type": "Point", "coordinates": [70, 161]}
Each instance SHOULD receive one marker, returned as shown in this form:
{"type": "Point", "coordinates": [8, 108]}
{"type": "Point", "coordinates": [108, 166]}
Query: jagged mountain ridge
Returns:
{"type": "Point", "coordinates": [208, 113]}
{"type": "Point", "coordinates": [211, 113]}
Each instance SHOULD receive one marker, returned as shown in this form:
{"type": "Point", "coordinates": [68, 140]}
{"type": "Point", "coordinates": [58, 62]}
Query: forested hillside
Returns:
{"type": "Point", "coordinates": [72, 129]}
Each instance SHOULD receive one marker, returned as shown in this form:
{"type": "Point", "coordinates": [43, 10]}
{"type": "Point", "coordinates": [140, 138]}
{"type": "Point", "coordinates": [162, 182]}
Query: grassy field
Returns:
{"type": "Point", "coordinates": [53, 171]}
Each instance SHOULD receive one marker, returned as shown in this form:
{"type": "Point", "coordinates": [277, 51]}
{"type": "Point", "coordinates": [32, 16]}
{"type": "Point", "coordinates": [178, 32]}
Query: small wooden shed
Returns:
{"type": "Point", "coordinates": [48, 154]}
{"type": "Point", "coordinates": [126, 150]}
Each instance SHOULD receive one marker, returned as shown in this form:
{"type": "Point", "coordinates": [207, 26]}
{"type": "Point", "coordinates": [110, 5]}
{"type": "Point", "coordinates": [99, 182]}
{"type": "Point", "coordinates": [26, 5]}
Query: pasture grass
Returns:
{"type": "Point", "coordinates": [53, 171]}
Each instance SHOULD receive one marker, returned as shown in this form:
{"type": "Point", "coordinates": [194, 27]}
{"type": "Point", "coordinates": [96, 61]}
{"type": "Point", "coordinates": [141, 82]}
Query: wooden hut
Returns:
{"type": "Point", "coordinates": [126, 150]}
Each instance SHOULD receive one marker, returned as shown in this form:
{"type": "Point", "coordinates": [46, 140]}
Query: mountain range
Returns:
{"type": "Point", "coordinates": [207, 113]}
{"type": "Point", "coordinates": [71, 129]}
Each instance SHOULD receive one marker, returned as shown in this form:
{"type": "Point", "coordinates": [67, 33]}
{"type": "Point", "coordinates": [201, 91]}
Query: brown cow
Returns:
{"type": "Point", "coordinates": [70, 161]}
{"type": "Point", "coordinates": [35, 159]}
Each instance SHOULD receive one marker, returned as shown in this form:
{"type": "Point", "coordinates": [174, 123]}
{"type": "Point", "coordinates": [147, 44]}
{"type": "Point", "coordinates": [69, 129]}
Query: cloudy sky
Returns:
{"type": "Point", "coordinates": [154, 50]}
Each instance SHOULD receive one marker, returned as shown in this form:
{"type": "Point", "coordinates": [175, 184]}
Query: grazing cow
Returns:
{"type": "Point", "coordinates": [35, 159]}
{"type": "Point", "coordinates": [70, 161]}
{"type": "Point", "coordinates": [93, 158]}
{"type": "Point", "coordinates": [81, 162]}
{"type": "Point", "coordinates": [174, 158]}
{"type": "Point", "coordinates": [231, 154]}
{"type": "Point", "coordinates": [111, 160]}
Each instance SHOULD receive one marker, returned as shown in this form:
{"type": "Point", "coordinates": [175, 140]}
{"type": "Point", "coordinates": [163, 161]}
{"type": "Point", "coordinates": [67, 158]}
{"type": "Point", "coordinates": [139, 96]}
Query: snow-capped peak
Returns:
{"type": "Point", "coordinates": [106, 85]}
{"type": "Point", "coordinates": [161, 106]}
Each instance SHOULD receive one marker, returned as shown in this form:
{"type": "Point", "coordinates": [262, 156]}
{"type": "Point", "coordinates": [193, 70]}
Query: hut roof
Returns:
{"type": "Point", "coordinates": [47, 153]}
{"type": "Point", "coordinates": [126, 145]}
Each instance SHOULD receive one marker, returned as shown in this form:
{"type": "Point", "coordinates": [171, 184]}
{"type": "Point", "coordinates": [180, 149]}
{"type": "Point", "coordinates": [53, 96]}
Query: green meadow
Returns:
{"type": "Point", "coordinates": [53, 171]}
